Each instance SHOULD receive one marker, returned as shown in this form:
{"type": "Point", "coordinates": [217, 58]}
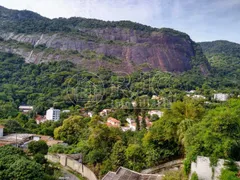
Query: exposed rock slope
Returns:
{"type": "Point", "coordinates": [119, 46]}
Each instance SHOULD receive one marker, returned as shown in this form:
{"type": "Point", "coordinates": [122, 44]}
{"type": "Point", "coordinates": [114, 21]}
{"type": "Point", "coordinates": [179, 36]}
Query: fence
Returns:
{"type": "Point", "coordinates": [65, 160]}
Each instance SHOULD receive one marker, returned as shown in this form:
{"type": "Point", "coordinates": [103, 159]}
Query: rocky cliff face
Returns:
{"type": "Point", "coordinates": [117, 48]}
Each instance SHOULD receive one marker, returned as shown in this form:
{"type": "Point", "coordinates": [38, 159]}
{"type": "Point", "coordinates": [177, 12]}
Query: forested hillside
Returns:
{"type": "Point", "coordinates": [224, 57]}
{"type": "Point", "coordinates": [57, 84]}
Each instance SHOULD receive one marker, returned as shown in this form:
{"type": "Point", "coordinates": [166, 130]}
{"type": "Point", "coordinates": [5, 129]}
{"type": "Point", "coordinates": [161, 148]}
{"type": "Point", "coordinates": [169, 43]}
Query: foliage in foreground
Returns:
{"type": "Point", "coordinates": [15, 164]}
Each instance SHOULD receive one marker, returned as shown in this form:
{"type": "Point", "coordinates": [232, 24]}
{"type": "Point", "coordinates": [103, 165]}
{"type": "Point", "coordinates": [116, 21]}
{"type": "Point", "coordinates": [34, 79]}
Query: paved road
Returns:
{"type": "Point", "coordinates": [67, 175]}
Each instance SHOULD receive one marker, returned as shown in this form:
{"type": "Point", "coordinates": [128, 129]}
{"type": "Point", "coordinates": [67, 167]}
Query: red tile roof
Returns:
{"type": "Point", "coordinates": [113, 120]}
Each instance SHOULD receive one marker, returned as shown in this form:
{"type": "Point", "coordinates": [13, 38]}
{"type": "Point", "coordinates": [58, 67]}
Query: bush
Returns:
{"type": "Point", "coordinates": [187, 166]}
{"type": "Point", "coordinates": [39, 158]}
{"type": "Point", "coordinates": [194, 176]}
{"type": "Point", "coordinates": [228, 175]}
{"type": "Point", "coordinates": [58, 148]}
{"type": "Point", "coordinates": [174, 175]}
{"type": "Point", "coordinates": [38, 147]}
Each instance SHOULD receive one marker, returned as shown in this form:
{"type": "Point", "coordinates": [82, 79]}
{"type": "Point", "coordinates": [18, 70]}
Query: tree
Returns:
{"type": "Point", "coordinates": [14, 164]}
{"type": "Point", "coordinates": [217, 135]}
{"type": "Point", "coordinates": [134, 157]}
{"type": "Point", "coordinates": [96, 156]}
{"type": "Point", "coordinates": [73, 129]}
{"type": "Point", "coordinates": [13, 126]}
{"type": "Point", "coordinates": [117, 157]}
{"type": "Point", "coordinates": [38, 147]}
{"type": "Point", "coordinates": [24, 169]}
{"type": "Point", "coordinates": [39, 158]}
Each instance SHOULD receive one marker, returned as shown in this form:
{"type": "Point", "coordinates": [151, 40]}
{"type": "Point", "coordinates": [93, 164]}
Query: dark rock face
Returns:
{"type": "Point", "coordinates": [154, 50]}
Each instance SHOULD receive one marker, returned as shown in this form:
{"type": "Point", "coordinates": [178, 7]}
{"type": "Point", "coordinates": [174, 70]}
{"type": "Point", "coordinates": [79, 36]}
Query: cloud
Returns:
{"type": "Point", "coordinates": [202, 19]}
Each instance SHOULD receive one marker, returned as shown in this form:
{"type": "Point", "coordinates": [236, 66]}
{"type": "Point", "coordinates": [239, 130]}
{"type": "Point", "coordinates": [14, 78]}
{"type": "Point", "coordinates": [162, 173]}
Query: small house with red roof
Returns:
{"type": "Point", "coordinates": [40, 119]}
{"type": "Point", "coordinates": [112, 122]}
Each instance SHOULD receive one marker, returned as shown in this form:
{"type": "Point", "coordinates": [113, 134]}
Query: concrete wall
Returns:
{"type": "Point", "coordinates": [53, 158]}
{"type": "Point", "coordinates": [1, 132]}
{"type": "Point", "coordinates": [64, 160]}
{"type": "Point", "coordinates": [205, 171]}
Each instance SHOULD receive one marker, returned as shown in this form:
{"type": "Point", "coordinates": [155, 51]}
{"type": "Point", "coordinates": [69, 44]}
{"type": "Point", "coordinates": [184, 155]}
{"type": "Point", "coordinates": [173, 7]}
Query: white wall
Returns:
{"type": "Point", "coordinates": [1, 132]}
{"type": "Point", "coordinates": [204, 170]}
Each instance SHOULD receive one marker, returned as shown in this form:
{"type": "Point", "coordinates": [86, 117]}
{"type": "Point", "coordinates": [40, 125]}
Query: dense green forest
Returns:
{"type": "Point", "coordinates": [224, 57]}
{"type": "Point", "coordinates": [63, 84]}
{"type": "Point", "coordinates": [189, 127]}
{"type": "Point", "coordinates": [221, 47]}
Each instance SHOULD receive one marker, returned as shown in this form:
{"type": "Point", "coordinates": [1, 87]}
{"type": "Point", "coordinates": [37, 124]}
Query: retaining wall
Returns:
{"type": "Point", "coordinates": [67, 161]}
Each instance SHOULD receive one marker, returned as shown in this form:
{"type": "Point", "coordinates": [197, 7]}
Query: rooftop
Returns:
{"type": "Point", "coordinates": [124, 174]}
{"type": "Point", "coordinates": [23, 138]}
{"type": "Point", "coordinates": [113, 120]}
{"type": "Point", "coordinates": [13, 138]}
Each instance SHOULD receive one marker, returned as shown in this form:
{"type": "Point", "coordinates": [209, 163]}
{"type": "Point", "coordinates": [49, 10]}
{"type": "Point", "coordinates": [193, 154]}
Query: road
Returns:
{"type": "Point", "coordinates": [67, 175]}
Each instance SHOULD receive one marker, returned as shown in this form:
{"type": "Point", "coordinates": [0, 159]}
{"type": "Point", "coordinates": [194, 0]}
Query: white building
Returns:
{"type": "Point", "coordinates": [131, 124]}
{"type": "Point", "coordinates": [53, 114]}
{"type": "Point", "coordinates": [158, 113]}
{"type": "Point", "coordinates": [196, 96]}
{"type": "Point", "coordinates": [90, 114]}
{"type": "Point", "coordinates": [66, 111]}
{"type": "Point", "coordinates": [191, 92]}
{"type": "Point", "coordinates": [105, 112]}
{"type": "Point", "coordinates": [25, 109]}
{"type": "Point", "coordinates": [1, 131]}
{"type": "Point", "coordinates": [221, 97]}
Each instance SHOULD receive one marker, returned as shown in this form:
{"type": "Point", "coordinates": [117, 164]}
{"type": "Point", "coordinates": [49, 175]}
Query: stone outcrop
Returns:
{"type": "Point", "coordinates": [116, 48]}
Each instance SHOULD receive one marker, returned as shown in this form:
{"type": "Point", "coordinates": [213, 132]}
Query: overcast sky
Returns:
{"type": "Point", "coordinates": [203, 20]}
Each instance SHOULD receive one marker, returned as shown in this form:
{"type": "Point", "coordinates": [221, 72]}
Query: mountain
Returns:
{"type": "Point", "coordinates": [221, 47]}
{"type": "Point", "coordinates": [224, 57]}
{"type": "Point", "coordinates": [120, 46]}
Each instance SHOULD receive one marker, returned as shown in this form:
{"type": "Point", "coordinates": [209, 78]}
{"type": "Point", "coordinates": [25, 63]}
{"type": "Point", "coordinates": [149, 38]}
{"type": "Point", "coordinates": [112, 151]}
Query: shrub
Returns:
{"type": "Point", "coordinates": [38, 147]}
{"type": "Point", "coordinates": [194, 176]}
{"type": "Point", "coordinates": [228, 175]}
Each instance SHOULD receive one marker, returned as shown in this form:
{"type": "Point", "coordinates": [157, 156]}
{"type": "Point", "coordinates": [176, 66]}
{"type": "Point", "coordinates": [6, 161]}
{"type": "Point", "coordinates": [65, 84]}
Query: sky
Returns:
{"type": "Point", "coordinates": [203, 20]}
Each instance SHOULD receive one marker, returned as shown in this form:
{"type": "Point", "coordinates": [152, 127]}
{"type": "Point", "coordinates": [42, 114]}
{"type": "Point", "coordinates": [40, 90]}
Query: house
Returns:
{"type": "Point", "coordinates": [22, 140]}
{"type": "Point", "coordinates": [147, 120]}
{"type": "Point", "coordinates": [191, 92]}
{"type": "Point", "coordinates": [221, 97]}
{"type": "Point", "coordinates": [15, 139]}
{"type": "Point", "coordinates": [156, 112]}
{"type": "Point", "coordinates": [112, 122]}
{"type": "Point", "coordinates": [134, 103]}
{"type": "Point", "coordinates": [48, 139]}
{"type": "Point", "coordinates": [25, 108]}
{"type": "Point", "coordinates": [105, 112]}
{"type": "Point", "coordinates": [131, 124]}
{"type": "Point", "coordinates": [154, 97]}
{"type": "Point", "coordinates": [124, 129]}
{"type": "Point", "coordinates": [53, 114]}
{"type": "Point", "coordinates": [196, 96]}
{"type": "Point", "coordinates": [124, 174]}
{"type": "Point", "coordinates": [1, 130]}
{"type": "Point", "coordinates": [40, 119]}
{"type": "Point", "coordinates": [66, 111]}
{"type": "Point", "coordinates": [90, 114]}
